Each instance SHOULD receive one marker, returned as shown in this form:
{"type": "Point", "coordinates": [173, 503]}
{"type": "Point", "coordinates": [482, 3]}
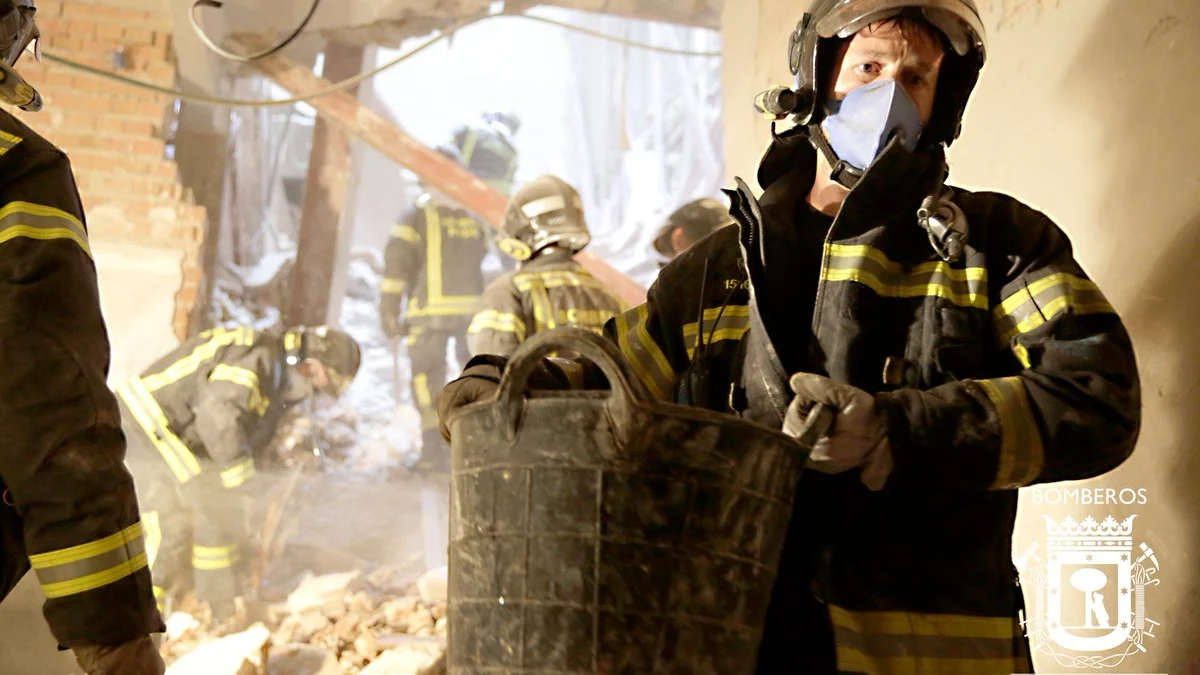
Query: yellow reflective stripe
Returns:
{"type": "Point", "coordinates": [8, 142]}
{"type": "Point", "coordinates": [469, 305]}
{"type": "Point", "coordinates": [429, 419]}
{"type": "Point", "coordinates": [153, 533]}
{"type": "Point", "coordinates": [870, 267]}
{"type": "Point", "coordinates": [97, 580]}
{"type": "Point", "coordinates": [730, 323]}
{"type": "Point", "coordinates": [556, 279]}
{"type": "Point", "coordinates": [205, 351]}
{"type": "Point", "coordinates": [501, 322]}
{"type": "Point", "coordinates": [45, 223]}
{"type": "Point", "coordinates": [238, 474]}
{"type": "Point", "coordinates": [88, 550]}
{"type": "Point", "coordinates": [903, 643]}
{"type": "Point", "coordinates": [468, 147]}
{"type": "Point", "coordinates": [439, 304]}
{"type": "Point", "coordinates": [645, 358]}
{"type": "Point", "coordinates": [393, 286]}
{"type": "Point", "coordinates": [149, 415]}
{"type": "Point", "coordinates": [1044, 299]}
{"type": "Point", "coordinates": [245, 378]}
{"type": "Point", "coordinates": [407, 233]}
{"type": "Point", "coordinates": [215, 557]}
{"type": "Point", "coordinates": [851, 660]}
{"type": "Point", "coordinates": [89, 566]}
{"type": "Point", "coordinates": [543, 310]}
{"type": "Point", "coordinates": [1022, 455]}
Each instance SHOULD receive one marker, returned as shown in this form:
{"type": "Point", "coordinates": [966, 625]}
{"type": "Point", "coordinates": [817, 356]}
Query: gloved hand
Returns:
{"type": "Point", "coordinates": [393, 326]}
{"type": "Point", "coordinates": [476, 384]}
{"type": "Point", "coordinates": [138, 656]}
{"type": "Point", "coordinates": [858, 437]}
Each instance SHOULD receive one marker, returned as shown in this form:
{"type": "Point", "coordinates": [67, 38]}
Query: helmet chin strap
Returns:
{"type": "Point", "coordinates": [842, 173]}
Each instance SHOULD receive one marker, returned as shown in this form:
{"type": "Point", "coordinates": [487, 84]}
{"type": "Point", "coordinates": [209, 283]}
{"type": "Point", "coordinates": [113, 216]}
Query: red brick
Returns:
{"type": "Point", "coordinates": [47, 9]}
{"type": "Point", "coordinates": [109, 31]}
{"type": "Point", "coordinates": [160, 72]}
{"type": "Point", "coordinates": [56, 79]}
{"type": "Point", "coordinates": [78, 10]}
{"type": "Point", "coordinates": [67, 99]}
{"type": "Point", "coordinates": [146, 109]}
{"type": "Point", "coordinates": [83, 30]}
{"type": "Point", "coordinates": [139, 36]}
{"type": "Point", "coordinates": [139, 127]}
{"type": "Point", "coordinates": [64, 43]}
{"type": "Point", "coordinates": [103, 48]}
{"type": "Point", "coordinates": [80, 120]}
{"type": "Point", "coordinates": [50, 27]}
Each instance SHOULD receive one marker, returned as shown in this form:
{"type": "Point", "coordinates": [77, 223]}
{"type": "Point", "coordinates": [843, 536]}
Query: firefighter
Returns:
{"type": "Point", "coordinates": [195, 420]}
{"type": "Point", "coordinates": [689, 224]}
{"type": "Point", "coordinates": [544, 228]}
{"type": "Point", "coordinates": [965, 350]}
{"type": "Point", "coordinates": [433, 276]}
{"type": "Point", "coordinates": [67, 505]}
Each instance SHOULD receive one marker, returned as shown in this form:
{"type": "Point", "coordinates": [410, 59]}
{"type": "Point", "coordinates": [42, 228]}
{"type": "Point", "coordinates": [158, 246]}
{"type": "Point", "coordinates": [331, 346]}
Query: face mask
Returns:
{"type": "Point", "coordinates": [860, 125]}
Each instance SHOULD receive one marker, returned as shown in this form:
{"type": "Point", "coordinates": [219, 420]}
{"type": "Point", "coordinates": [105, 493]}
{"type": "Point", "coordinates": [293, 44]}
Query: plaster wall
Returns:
{"type": "Point", "coordinates": [1083, 113]}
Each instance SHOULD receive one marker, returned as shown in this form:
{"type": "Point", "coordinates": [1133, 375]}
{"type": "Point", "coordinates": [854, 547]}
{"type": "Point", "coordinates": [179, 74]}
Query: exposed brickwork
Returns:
{"type": "Point", "coordinates": [113, 133]}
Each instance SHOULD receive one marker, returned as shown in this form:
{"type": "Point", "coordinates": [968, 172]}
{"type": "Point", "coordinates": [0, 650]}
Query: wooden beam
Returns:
{"type": "Point", "coordinates": [343, 110]}
{"type": "Point", "coordinates": [697, 13]}
{"type": "Point", "coordinates": [324, 201]}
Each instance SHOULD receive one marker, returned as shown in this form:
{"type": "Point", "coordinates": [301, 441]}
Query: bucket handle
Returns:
{"type": "Point", "coordinates": [625, 391]}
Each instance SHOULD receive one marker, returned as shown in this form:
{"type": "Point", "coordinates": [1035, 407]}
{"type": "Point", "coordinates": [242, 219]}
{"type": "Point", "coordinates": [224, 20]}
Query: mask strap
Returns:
{"type": "Point", "coordinates": [842, 173]}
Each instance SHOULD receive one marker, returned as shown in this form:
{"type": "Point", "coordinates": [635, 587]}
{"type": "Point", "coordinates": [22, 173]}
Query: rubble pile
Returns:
{"type": "Point", "coordinates": [336, 624]}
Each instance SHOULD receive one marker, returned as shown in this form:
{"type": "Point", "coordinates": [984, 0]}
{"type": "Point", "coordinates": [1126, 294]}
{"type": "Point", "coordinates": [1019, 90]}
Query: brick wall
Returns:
{"type": "Point", "coordinates": [114, 133]}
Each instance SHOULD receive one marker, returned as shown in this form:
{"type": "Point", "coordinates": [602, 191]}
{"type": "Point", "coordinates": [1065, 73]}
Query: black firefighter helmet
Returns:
{"type": "Point", "coordinates": [827, 23]}
{"type": "Point", "coordinates": [334, 349]}
{"type": "Point", "coordinates": [697, 219]}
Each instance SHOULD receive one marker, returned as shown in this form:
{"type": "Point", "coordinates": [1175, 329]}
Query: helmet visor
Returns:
{"type": "Point", "coordinates": [956, 19]}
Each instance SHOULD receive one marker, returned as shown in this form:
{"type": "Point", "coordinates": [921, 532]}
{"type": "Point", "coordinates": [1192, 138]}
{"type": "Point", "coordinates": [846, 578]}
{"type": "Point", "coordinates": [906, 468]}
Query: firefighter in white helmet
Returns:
{"type": "Point", "coordinates": [544, 228]}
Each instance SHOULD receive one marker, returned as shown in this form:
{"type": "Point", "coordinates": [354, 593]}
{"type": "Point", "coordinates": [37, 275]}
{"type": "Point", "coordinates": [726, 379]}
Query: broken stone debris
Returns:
{"type": "Point", "coordinates": [337, 624]}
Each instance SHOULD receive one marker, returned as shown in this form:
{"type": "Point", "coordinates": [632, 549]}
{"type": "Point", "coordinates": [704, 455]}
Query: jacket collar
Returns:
{"type": "Point", "coordinates": [894, 185]}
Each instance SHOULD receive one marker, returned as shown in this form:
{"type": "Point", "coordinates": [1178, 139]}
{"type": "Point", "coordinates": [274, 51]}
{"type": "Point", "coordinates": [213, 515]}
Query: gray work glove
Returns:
{"type": "Point", "coordinates": [138, 656]}
{"type": "Point", "coordinates": [858, 437]}
{"type": "Point", "coordinates": [477, 383]}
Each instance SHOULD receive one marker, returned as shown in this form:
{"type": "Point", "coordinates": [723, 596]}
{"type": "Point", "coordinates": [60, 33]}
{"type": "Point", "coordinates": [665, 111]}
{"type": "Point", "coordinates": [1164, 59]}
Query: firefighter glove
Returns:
{"type": "Point", "coordinates": [858, 437]}
{"type": "Point", "coordinates": [135, 657]}
{"type": "Point", "coordinates": [393, 326]}
{"type": "Point", "coordinates": [477, 383]}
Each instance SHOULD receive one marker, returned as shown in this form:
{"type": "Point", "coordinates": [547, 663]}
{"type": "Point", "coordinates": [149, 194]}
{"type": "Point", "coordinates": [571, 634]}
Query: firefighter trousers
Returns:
{"type": "Point", "coordinates": [193, 531]}
{"type": "Point", "coordinates": [427, 351]}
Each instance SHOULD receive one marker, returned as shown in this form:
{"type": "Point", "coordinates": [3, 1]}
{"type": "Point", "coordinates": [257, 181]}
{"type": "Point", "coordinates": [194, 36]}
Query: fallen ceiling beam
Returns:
{"type": "Point", "coordinates": [698, 13]}
{"type": "Point", "coordinates": [344, 110]}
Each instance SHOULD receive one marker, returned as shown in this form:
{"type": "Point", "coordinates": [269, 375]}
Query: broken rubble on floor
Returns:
{"type": "Point", "coordinates": [337, 624]}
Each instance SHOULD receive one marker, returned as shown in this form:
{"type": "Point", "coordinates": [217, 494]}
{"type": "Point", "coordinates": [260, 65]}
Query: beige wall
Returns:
{"type": "Point", "coordinates": [1088, 111]}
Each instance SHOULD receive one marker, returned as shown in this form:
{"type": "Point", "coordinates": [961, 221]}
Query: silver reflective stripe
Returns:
{"type": "Point", "coordinates": [34, 221]}
{"type": "Point", "coordinates": [96, 563]}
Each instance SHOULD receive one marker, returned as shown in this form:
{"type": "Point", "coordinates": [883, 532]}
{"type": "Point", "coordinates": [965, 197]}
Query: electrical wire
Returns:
{"type": "Point", "coordinates": [205, 99]}
{"type": "Point", "coordinates": [243, 58]}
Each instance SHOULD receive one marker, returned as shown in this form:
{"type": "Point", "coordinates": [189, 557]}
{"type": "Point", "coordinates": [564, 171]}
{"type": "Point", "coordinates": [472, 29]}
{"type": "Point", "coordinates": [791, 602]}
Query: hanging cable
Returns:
{"type": "Point", "coordinates": [352, 81]}
{"type": "Point", "coordinates": [243, 58]}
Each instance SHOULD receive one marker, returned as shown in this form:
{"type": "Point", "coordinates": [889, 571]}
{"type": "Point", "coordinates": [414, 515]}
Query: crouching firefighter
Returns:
{"type": "Point", "coordinates": [544, 228]}
{"type": "Point", "coordinates": [964, 348]}
{"type": "Point", "coordinates": [195, 421]}
{"type": "Point", "coordinates": [68, 509]}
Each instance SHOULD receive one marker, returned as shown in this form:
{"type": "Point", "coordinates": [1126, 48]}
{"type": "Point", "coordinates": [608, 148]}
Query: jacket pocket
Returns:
{"type": "Point", "coordinates": [962, 341]}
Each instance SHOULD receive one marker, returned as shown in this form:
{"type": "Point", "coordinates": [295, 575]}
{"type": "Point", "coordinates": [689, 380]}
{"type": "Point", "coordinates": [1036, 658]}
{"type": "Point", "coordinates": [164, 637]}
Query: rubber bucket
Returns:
{"type": "Point", "coordinates": [600, 532]}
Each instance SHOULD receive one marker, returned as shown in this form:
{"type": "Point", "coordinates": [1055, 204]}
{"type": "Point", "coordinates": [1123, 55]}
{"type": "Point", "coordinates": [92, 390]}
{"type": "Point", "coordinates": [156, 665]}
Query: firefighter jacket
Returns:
{"type": "Point", "coordinates": [1004, 369]}
{"type": "Point", "coordinates": [550, 291]}
{"type": "Point", "coordinates": [434, 260]}
{"type": "Point", "coordinates": [212, 402]}
{"type": "Point", "coordinates": [69, 509]}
